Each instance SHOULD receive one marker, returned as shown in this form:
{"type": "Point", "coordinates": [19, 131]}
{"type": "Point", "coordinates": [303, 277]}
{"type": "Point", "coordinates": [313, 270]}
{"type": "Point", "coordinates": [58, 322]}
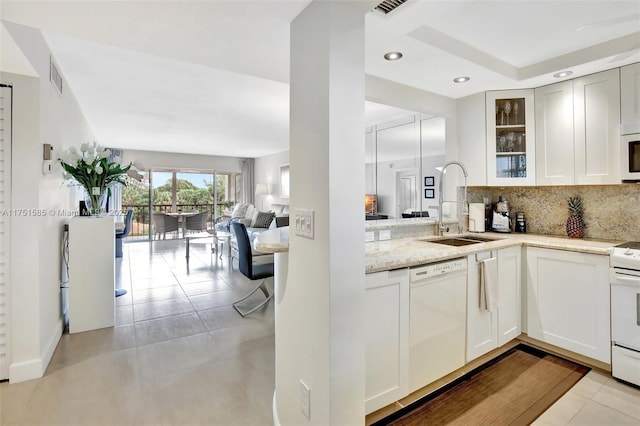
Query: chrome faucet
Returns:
{"type": "Point", "coordinates": [465, 206]}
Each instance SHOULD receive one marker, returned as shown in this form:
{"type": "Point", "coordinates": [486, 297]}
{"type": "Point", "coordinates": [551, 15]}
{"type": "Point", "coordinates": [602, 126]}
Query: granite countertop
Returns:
{"type": "Point", "coordinates": [406, 252]}
{"type": "Point", "coordinates": [273, 241]}
{"type": "Point", "coordinates": [401, 253]}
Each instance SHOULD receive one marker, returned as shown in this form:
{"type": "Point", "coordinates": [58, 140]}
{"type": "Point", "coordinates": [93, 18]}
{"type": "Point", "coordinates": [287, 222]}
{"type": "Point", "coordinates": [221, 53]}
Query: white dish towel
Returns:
{"type": "Point", "coordinates": [489, 284]}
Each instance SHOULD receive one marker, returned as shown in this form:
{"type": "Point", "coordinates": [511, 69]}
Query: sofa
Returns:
{"type": "Point", "coordinates": [254, 220]}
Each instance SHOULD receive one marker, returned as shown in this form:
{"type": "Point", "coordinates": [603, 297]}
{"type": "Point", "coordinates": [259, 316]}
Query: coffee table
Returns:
{"type": "Point", "coordinates": [223, 237]}
{"type": "Point", "coordinates": [216, 239]}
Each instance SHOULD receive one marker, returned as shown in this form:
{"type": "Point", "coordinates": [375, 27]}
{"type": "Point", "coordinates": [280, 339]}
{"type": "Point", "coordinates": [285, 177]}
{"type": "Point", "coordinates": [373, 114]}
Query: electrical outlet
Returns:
{"type": "Point", "coordinates": [369, 236]}
{"type": "Point", "coordinates": [384, 235]}
{"type": "Point", "coordinates": [305, 400]}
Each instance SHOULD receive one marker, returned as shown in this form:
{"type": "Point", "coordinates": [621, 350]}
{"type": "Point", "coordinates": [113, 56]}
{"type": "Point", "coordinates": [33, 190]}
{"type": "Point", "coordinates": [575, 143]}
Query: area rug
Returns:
{"type": "Point", "coordinates": [513, 389]}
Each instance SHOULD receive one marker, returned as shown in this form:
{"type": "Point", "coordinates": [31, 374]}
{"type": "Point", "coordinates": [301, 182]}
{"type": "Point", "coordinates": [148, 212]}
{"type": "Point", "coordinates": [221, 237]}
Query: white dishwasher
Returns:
{"type": "Point", "coordinates": [437, 320]}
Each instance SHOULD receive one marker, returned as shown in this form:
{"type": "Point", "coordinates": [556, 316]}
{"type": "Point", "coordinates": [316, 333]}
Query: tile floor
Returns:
{"type": "Point", "coordinates": [596, 400]}
{"type": "Point", "coordinates": [181, 355]}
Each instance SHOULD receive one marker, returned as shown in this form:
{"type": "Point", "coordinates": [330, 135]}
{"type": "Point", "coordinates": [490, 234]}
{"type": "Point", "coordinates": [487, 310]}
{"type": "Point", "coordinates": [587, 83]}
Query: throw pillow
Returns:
{"type": "Point", "coordinates": [250, 211]}
{"type": "Point", "coordinates": [240, 210]}
{"type": "Point", "coordinates": [263, 219]}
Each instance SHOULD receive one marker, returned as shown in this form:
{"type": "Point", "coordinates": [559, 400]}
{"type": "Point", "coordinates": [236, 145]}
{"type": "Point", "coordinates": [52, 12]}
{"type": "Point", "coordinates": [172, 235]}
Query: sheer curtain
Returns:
{"type": "Point", "coordinates": [114, 203]}
{"type": "Point", "coordinates": [246, 168]}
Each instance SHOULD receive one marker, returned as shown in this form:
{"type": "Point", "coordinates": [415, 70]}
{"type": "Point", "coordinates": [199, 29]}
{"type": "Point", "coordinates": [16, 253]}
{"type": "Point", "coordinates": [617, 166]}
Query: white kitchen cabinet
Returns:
{"type": "Point", "coordinates": [472, 144]}
{"type": "Point", "coordinates": [387, 337]}
{"type": "Point", "coordinates": [577, 136]}
{"type": "Point", "coordinates": [596, 115]}
{"type": "Point", "coordinates": [554, 134]}
{"type": "Point", "coordinates": [482, 325]}
{"type": "Point", "coordinates": [510, 138]}
{"type": "Point", "coordinates": [568, 301]}
{"type": "Point", "coordinates": [509, 293]}
{"type": "Point", "coordinates": [488, 330]}
{"type": "Point", "coordinates": [630, 99]}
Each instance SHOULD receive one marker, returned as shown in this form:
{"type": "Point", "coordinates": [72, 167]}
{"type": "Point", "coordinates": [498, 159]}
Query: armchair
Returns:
{"type": "Point", "coordinates": [163, 223]}
{"type": "Point", "coordinates": [197, 222]}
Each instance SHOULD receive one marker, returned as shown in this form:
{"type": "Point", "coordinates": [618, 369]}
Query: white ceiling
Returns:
{"type": "Point", "coordinates": [210, 77]}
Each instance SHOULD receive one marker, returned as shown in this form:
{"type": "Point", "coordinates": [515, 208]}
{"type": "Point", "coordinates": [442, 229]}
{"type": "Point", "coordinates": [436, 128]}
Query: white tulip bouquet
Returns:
{"type": "Point", "coordinates": [90, 167]}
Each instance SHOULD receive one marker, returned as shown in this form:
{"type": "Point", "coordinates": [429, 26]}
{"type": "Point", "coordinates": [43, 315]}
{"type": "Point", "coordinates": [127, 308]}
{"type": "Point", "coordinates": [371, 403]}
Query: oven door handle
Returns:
{"type": "Point", "coordinates": [624, 279]}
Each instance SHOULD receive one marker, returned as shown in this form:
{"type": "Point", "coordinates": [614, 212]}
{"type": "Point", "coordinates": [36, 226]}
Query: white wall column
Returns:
{"type": "Point", "coordinates": [319, 312]}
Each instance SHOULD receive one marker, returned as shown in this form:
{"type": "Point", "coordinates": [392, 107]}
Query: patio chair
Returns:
{"type": "Point", "coordinates": [197, 222]}
{"type": "Point", "coordinates": [253, 271]}
{"type": "Point", "coordinates": [163, 223]}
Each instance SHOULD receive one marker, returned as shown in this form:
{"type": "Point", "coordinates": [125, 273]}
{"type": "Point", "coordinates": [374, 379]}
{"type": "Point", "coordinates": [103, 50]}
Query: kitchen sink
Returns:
{"type": "Point", "coordinates": [461, 241]}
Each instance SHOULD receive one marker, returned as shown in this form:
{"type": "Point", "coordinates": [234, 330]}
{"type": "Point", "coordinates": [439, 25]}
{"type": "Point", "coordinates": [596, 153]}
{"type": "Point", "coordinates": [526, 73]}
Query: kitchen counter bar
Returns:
{"type": "Point", "coordinates": [406, 252]}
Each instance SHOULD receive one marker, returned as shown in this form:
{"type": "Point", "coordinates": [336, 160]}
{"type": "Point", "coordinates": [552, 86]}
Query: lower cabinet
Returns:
{"type": "Point", "coordinates": [387, 337]}
{"type": "Point", "coordinates": [568, 301]}
{"type": "Point", "coordinates": [487, 330]}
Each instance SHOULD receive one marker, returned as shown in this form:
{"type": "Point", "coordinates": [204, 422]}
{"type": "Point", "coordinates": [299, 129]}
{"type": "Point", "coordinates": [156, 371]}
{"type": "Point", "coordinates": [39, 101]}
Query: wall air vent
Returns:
{"type": "Point", "coordinates": [388, 6]}
{"type": "Point", "coordinates": [54, 76]}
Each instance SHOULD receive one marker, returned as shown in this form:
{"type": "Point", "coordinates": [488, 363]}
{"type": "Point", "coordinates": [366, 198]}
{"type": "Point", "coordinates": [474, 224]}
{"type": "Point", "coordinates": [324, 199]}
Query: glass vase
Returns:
{"type": "Point", "coordinates": [95, 199]}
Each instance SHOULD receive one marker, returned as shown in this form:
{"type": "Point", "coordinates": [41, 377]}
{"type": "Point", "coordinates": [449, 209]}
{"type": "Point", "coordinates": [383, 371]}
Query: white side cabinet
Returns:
{"type": "Point", "coordinates": [91, 273]}
{"type": "Point", "coordinates": [568, 301]}
{"type": "Point", "coordinates": [488, 330]}
{"type": "Point", "coordinates": [577, 137]}
{"type": "Point", "coordinates": [387, 337]}
{"type": "Point", "coordinates": [630, 99]}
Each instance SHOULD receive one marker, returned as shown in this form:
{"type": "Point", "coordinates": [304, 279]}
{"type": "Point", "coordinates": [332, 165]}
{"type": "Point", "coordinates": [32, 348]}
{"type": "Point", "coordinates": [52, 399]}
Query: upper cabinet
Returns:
{"type": "Point", "coordinates": [510, 138]}
{"type": "Point", "coordinates": [596, 118]}
{"type": "Point", "coordinates": [630, 98]}
{"type": "Point", "coordinates": [554, 130]}
{"type": "Point", "coordinates": [472, 145]}
{"type": "Point", "coordinates": [577, 129]}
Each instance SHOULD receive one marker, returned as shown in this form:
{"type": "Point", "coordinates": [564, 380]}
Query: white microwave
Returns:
{"type": "Point", "coordinates": [630, 157]}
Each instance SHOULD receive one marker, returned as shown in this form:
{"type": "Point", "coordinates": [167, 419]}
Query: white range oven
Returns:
{"type": "Point", "coordinates": [624, 274]}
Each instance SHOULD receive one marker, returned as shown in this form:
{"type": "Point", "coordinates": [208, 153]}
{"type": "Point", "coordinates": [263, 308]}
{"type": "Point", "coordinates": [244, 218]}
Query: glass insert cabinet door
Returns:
{"type": "Point", "coordinates": [510, 138]}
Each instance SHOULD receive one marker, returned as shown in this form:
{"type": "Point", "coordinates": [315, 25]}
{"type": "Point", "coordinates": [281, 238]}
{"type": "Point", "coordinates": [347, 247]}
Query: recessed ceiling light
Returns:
{"type": "Point", "coordinates": [563, 74]}
{"type": "Point", "coordinates": [392, 56]}
{"type": "Point", "coordinates": [461, 79]}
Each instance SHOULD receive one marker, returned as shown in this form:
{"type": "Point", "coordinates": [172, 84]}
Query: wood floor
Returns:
{"type": "Point", "coordinates": [514, 390]}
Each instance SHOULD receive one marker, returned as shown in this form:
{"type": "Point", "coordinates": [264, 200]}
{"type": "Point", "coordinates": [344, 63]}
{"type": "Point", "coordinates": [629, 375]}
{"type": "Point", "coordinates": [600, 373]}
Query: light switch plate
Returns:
{"type": "Point", "coordinates": [384, 235]}
{"type": "Point", "coordinates": [369, 236]}
{"type": "Point", "coordinates": [304, 222]}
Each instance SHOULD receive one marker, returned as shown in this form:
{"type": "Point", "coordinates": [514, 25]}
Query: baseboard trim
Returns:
{"type": "Point", "coordinates": [567, 354]}
{"type": "Point", "coordinates": [276, 420]}
{"type": "Point", "coordinates": [35, 368]}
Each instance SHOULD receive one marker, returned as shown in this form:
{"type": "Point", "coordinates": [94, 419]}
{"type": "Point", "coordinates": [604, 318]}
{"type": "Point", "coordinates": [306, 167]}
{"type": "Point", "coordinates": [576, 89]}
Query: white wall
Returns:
{"type": "Point", "coordinates": [320, 312]}
{"type": "Point", "coordinates": [429, 165]}
{"type": "Point", "coordinates": [267, 170]}
{"type": "Point", "coordinates": [40, 115]}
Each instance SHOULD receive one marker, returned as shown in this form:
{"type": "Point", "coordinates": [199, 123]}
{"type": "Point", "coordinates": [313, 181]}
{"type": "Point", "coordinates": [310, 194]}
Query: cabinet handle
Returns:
{"type": "Point", "coordinates": [638, 308]}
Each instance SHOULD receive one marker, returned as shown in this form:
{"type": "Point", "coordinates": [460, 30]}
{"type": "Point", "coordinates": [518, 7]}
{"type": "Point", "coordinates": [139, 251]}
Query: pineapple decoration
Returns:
{"type": "Point", "coordinates": [575, 223]}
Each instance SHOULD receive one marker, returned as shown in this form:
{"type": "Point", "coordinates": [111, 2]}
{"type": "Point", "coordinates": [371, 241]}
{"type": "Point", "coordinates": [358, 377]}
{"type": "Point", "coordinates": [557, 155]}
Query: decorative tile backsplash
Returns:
{"type": "Point", "coordinates": [611, 212]}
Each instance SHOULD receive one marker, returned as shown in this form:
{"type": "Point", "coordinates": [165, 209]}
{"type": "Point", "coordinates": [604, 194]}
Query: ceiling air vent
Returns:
{"type": "Point", "coordinates": [55, 77]}
{"type": "Point", "coordinates": [388, 6]}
